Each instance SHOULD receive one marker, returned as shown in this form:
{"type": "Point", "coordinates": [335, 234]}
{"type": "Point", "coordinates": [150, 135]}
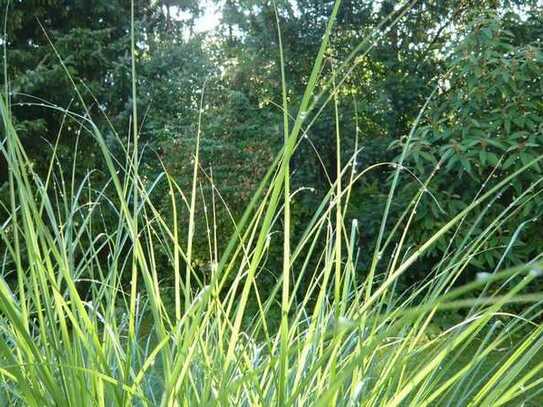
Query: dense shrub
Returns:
{"type": "Point", "coordinates": [485, 123]}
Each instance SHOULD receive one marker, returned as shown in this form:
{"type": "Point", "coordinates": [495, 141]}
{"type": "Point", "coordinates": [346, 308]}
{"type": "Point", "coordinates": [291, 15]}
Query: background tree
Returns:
{"type": "Point", "coordinates": [488, 107]}
{"type": "Point", "coordinates": [486, 123]}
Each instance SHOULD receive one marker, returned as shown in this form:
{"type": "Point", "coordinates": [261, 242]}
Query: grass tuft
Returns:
{"type": "Point", "coordinates": [347, 339]}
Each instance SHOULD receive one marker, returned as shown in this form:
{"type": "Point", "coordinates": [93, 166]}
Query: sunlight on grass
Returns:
{"type": "Point", "coordinates": [344, 339]}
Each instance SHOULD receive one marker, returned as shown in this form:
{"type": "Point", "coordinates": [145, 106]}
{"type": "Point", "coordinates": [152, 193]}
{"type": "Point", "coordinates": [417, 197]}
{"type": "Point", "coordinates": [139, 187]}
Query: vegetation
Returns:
{"type": "Point", "coordinates": [318, 203]}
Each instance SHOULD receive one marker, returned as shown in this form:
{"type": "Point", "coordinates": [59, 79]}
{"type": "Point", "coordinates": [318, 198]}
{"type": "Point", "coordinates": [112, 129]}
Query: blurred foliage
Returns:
{"type": "Point", "coordinates": [486, 121]}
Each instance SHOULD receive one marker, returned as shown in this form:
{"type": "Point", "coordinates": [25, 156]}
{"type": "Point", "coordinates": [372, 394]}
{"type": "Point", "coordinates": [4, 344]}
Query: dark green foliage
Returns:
{"type": "Point", "coordinates": [92, 40]}
{"type": "Point", "coordinates": [486, 123]}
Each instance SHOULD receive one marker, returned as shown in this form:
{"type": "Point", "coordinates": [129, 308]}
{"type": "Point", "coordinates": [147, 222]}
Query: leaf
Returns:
{"type": "Point", "coordinates": [466, 165]}
{"type": "Point", "coordinates": [525, 158]}
{"type": "Point", "coordinates": [497, 144]}
{"type": "Point", "coordinates": [493, 158]}
{"type": "Point", "coordinates": [509, 162]}
{"type": "Point", "coordinates": [482, 156]}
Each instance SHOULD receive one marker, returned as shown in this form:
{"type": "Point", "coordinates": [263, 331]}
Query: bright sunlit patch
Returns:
{"type": "Point", "coordinates": [208, 21]}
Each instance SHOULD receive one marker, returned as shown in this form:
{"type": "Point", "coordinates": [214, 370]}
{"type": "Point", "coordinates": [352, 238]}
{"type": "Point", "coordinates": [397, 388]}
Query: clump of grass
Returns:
{"type": "Point", "coordinates": [347, 340]}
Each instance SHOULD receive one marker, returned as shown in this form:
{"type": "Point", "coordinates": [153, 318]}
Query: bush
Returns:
{"type": "Point", "coordinates": [486, 123]}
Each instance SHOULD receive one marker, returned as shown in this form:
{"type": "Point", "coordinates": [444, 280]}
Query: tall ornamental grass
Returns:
{"type": "Point", "coordinates": [349, 338]}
